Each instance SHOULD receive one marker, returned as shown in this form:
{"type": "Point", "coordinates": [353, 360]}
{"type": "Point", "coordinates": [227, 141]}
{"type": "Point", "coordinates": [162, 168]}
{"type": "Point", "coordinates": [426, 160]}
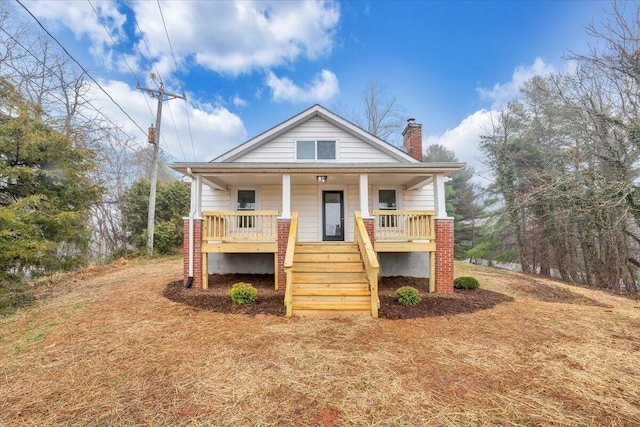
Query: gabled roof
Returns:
{"type": "Point", "coordinates": [315, 111]}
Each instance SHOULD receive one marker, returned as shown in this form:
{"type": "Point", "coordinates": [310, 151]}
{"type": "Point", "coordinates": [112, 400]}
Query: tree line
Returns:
{"type": "Point", "coordinates": [565, 157]}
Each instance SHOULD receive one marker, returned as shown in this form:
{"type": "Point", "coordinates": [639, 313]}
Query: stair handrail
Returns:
{"type": "Point", "coordinates": [371, 265]}
{"type": "Point", "coordinates": [288, 262]}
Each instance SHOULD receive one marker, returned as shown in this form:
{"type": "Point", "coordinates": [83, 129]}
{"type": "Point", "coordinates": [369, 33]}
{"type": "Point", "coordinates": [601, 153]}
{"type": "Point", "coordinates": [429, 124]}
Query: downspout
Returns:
{"type": "Point", "coordinates": [192, 213]}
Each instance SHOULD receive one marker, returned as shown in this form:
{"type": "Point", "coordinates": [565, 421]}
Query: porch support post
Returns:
{"type": "Point", "coordinates": [443, 281]}
{"type": "Point", "coordinates": [432, 272]}
{"type": "Point", "coordinates": [198, 200]}
{"type": "Point", "coordinates": [444, 255]}
{"type": "Point", "coordinates": [192, 240]}
{"type": "Point", "coordinates": [364, 195]}
{"type": "Point", "coordinates": [192, 250]}
{"type": "Point", "coordinates": [284, 224]}
{"type": "Point", "coordinates": [440, 202]}
{"type": "Point", "coordinates": [286, 196]}
{"type": "Point", "coordinates": [200, 261]}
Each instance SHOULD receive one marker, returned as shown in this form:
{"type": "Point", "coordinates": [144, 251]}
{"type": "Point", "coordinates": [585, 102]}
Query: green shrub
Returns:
{"type": "Point", "coordinates": [243, 293]}
{"type": "Point", "coordinates": [466, 282]}
{"type": "Point", "coordinates": [408, 296]}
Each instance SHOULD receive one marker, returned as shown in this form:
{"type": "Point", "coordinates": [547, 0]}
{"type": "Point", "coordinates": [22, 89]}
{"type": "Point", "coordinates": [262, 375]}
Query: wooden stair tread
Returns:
{"type": "Point", "coordinates": [330, 314]}
{"type": "Point", "coordinates": [328, 267]}
{"type": "Point", "coordinates": [333, 300]}
{"type": "Point", "coordinates": [325, 249]}
{"type": "Point", "coordinates": [329, 280]}
{"type": "Point", "coordinates": [332, 286]}
{"type": "Point", "coordinates": [331, 292]}
{"type": "Point", "coordinates": [363, 307]}
{"type": "Point", "coordinates": [327, 257]}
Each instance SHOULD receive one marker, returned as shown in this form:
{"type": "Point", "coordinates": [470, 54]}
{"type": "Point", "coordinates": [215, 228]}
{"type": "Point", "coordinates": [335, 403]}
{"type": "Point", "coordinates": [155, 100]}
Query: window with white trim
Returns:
{"type": "Point", "coordinates": [316, 150]}
{"type": "Point", "coordinates": [387, 201]}
{"type": "Point", "coordinates": [246, 202]}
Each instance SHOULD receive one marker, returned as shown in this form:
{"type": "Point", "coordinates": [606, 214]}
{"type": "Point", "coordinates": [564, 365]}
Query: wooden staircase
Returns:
{"type": "Point", "coordinates": [329, 280]}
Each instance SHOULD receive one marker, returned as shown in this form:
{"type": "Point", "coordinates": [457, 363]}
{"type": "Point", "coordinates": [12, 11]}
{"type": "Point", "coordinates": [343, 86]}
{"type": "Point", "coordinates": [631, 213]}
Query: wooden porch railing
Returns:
{"type": "Point", "coordinates": [398, 225]}
{"type": "Point", "coordinates": [370, 261]}
{"type": "Point", "coordinates": [288, 262]}
{"type": "Point", "coordinates": [240, 226]}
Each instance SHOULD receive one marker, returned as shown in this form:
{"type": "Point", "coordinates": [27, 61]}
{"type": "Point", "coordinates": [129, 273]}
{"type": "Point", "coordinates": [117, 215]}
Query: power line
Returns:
{"type": "Point", "coordinates": [186, 108]}
{"type": "Point", "coordinates": [175, 62]}
{"type": "Point", "coordinates": [81, 67]}
{"type": "Point", "coordinates": [120, 53]}
{"type": "Point", "coordinates": [146, 45]}
{"type": "Point", "coordinates": [107, 118]}
{"type": "Point", "coordinates": [177, 133]}
{"type": "Point", "coordinates": [52, 71]}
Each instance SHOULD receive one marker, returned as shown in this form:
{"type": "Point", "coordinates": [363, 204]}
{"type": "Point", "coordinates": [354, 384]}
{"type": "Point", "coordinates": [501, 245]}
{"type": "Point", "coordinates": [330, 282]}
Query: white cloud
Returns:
{"type": "Point", "coordinates": [501, 93]}
{"type": "Point", "coordinates": [464, 139]}
{"type": "Point", "coordinates": [239, 102]}
{"type": "Point", "coordinates": [230, 37]}
{"type": "Point", "coordinates": [240, 36]}
{"type": "Point", "coordinates": [215, 130]}
{"type": "Point", "coordinates": [323, 87]}
{"type": "Point", "coordinates": [81, 19]}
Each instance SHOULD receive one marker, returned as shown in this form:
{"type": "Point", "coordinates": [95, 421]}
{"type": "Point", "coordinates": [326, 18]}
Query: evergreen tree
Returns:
{"type": "Point", "coordinates": [462, 200]}
{"type": "Point", "coordinates": [45, 192]}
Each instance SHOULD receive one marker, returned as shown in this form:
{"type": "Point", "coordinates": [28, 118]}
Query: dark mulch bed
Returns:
{"type": "Point", "coordinates": [270, 301]}
{"type": "Point", "coordinates": [432, 305]}
{"type": "Point", "coordinates": [217, 298]}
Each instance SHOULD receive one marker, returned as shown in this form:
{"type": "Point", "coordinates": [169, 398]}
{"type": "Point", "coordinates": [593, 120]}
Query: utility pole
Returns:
{"type": "Point", "coordinates": [162, 96]}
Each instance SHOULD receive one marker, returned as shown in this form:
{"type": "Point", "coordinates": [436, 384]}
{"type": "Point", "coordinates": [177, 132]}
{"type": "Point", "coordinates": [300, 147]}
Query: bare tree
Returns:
{"type": "Point", "coordinates": [380, 114]}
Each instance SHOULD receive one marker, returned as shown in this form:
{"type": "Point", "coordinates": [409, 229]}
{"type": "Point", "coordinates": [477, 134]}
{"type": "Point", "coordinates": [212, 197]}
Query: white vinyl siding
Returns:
{"type": "Point", "coordinates": [421, 199]}
{"type": "Point", "coordinates": [271, 197]}
{"type": "Point", "coordinates": [353, 204]}
{"type": "Point", "coordinates": [215, 200]}
{"type": "Point", "coordinates": [349, 148]}
{"type": "Point", "coordinates": [304, 199]}
{"type": "Point", "coordinates": [268, 197]}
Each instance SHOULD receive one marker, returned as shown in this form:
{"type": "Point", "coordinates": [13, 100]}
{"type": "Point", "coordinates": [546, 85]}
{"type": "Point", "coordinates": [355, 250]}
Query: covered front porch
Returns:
{"type": "Point", "coordinates": [249, 210]}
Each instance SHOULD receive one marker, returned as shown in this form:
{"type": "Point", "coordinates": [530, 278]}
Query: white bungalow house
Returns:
{"type": "Point", "coordinates": [325, 206]}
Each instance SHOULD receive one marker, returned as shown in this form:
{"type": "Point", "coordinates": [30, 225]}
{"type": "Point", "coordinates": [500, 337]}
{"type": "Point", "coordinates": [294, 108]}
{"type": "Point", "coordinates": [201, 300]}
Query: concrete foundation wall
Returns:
{"type": "Point", "coordinates": [410, 264]}
{"type": "Point", "coordinates": [240, 263]}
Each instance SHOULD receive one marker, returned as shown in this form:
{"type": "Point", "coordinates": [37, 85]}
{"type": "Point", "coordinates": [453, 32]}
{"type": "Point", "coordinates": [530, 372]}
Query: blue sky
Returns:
{"type": "Point", "coordinates": [246, 66]}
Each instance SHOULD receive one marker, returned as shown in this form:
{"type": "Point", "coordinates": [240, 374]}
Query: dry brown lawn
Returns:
{"type": "Point", "coordinates": [106, 348]}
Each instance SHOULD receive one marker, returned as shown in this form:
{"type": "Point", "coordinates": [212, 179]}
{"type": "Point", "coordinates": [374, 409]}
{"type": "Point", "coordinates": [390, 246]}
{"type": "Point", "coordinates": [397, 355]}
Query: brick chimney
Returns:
{"type": "Point", "coordinates": [412, 139]}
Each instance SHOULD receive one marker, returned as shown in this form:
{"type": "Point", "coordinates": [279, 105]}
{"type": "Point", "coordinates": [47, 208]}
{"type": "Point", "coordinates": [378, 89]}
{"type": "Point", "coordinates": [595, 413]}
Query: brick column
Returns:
{"type": "Point", "coordinates": [197, 252]}
{"type": "Point", "coordinates": [369, 224]}
{"type": "Point", "coordinates": [284, 224]}
{"type": "Point", "coordinates": [444, 255]}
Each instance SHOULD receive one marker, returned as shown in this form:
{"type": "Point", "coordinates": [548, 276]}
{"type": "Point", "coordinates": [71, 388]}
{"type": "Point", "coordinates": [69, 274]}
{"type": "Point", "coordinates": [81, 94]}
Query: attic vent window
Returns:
{"type": "Point", "coordinates": [316, 150]}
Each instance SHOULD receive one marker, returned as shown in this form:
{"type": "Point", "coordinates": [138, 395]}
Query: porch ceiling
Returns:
{"type": "Point", "coordinates": [222, 175]}
{"type": "Point", "coordinates": [231, 179]}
